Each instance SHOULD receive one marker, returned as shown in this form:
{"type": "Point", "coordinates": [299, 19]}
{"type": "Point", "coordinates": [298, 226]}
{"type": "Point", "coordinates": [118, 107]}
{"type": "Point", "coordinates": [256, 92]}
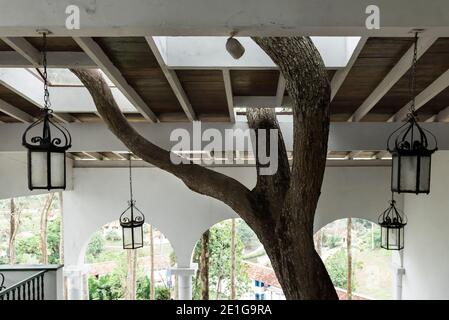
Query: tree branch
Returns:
{"type": "Point", "coordinates": [270, 190]}
{"type": "Point", "coordinates": [195, 177]}
{"type": "Point", "coordinates": [308, 87]}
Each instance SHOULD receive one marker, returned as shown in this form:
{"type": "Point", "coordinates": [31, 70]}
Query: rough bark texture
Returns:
{"type": "Point", "coordinates": [44, 224]}
{"type": "Point", "coordinates": [281, 208]}
{"type": "Point", "coordinates": [204, 266]}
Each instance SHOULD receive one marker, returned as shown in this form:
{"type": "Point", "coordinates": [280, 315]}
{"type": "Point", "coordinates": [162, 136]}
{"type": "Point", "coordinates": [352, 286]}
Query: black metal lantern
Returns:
{"type": "Point", "coordinates": [411, 147]}
{"type": "Point", "coordinates": [132, 220]}
{"type": "Point", "coordinates": [392, 224]}
{"type": "Point", "coordinates": [46, 152]}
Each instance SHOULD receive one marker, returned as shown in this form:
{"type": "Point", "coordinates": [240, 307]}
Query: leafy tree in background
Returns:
{"type": "Point", "coordinates": [143, 290]}
{"type": "Point", "coordinates": [95, 247]}
{"type": "Point", "coordinates": [220, 263]}
{"type": "Point", "coordinates": [107, 287]}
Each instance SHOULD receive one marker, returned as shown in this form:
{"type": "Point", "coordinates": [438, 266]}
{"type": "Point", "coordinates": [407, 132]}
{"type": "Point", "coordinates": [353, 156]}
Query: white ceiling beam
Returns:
{"type": "Point", "coordinates": [229, 94]}
{"type": "Point", "coordinates": [280, 91]}
{"type": "Point", "coordinates": [25, 49]}
{"type": "Point", "coordinates": [95, 155]}
{"type": "Point", "coordinates": [173, 80]}
{"type": "Point", "coordinates": [14, 112]}
{"type": "Point", "coordinates": [213, 18]}
{"type": "Point", "coordinates": [56, 59]}
{"type": "Point", "coordinates": [93, 50]}
{"type": "Point", "coordinates": [443, 115]}
{"type": "Point", "coordinates": [392, 77]}
{"type": "Point", "coordinates": [441, 83]}
{"type": "Point", "coordinates": [65, 117]}
{"type": "Point", "coordinates": [340, 76]}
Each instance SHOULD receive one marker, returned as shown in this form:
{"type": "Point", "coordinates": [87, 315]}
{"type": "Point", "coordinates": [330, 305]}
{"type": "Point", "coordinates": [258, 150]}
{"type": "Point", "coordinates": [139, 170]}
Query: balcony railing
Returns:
{"type": "Point", "coordinates": [31, 288]}
{"type": "Point", "coordinates": [20, 282]}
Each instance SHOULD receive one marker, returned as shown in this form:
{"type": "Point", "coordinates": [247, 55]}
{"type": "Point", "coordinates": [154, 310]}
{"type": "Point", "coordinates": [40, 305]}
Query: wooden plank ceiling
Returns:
{"type": "Point", "coordinates": [205, 89]}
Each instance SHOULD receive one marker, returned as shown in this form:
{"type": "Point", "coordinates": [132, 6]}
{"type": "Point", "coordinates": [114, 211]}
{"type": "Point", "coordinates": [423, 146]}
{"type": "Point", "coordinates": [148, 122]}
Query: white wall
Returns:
{"type": "Point", "coordinates": [426, 254]}
{"type": "Point", "coordinates": [14, 177]}
{"type": "Point", "coordinates": [100, 196]}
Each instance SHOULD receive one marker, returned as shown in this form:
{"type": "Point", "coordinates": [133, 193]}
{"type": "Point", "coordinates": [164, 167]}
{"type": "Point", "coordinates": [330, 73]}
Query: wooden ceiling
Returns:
{"type": "Point", "coordinates": [206, 91]}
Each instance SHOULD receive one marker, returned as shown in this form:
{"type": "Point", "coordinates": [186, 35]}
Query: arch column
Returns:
{"type": "Point", "coordinates": [184, 279]}
{"type": "Point", "coordinates": [76, 281]}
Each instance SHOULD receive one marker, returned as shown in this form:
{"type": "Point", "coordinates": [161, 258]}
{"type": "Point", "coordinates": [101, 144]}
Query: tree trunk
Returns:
{"type": "Point", "coordinates": [233, 261]}
{"type": "Point", "coordinates": [204, 266]}
{"type": "Point", "coordinates": [151, 263]}
{"type": "Point", "coordinates": [218, 290]}
{"type": "Point", "coordinates": [349, 251]}
{"type": "Point", "coordinates": [131, 278]}
{"type": "Point", "coordinates": [44, 224]}
{"type": "Point", "coordinates": [281, 208]}
{"type": "Point", "coordinates": [14, 222]}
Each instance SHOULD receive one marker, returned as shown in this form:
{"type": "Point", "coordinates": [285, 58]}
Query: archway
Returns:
{"type": "Point", "coordinates": [114, 273]}
{"type": "Point", "coordinates": [254, 276]}
{"type": "Point", "coordinates": [366, 266]}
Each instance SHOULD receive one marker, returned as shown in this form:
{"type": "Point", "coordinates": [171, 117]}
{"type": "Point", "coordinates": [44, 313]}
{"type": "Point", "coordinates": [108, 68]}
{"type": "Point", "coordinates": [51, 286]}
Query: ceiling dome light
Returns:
{"type": "Point", "coordinates": [234, 47]}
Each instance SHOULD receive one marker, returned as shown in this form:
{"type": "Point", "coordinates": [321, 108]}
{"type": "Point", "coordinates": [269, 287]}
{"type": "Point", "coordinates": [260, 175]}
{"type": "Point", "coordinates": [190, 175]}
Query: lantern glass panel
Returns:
{"type": "Point", "coordinates": [408, 166]}
{"type": "Point", "coordinates": [38, 169]}
{"type": "Point", "coordinates": [394, 173]}
{"type": "Point", "coordinates": [57, 162]}
{"type": "Point", "coordinates": [424, 172]}
{"type": "Point", "coordinates": [133, 237]}
{"type": "Point", "coordinates": [393, 238]}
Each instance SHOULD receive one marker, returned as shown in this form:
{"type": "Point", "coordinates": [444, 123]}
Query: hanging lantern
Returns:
{"type": "Point", "coordinates": [392, 225]}
{"type": "Point", "coordinates": [46, 152]}
{"type": "Point", "coordinates": [132, 220]}
{"type": "Point", "coordinates": [411, 147]}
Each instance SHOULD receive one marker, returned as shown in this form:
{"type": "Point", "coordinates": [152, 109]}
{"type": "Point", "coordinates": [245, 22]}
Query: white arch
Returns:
{"type": "Point", "coordinates": [101, 196]}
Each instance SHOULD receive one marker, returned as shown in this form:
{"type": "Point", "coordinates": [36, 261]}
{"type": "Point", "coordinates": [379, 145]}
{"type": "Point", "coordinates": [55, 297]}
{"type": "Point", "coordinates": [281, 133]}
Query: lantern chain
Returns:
{"type": "Point", "coordinates": [130, 179]}
{"type": "Point", "coordinates": [47, 103]}
{"type": "Point", "coordinates": [413, 77]}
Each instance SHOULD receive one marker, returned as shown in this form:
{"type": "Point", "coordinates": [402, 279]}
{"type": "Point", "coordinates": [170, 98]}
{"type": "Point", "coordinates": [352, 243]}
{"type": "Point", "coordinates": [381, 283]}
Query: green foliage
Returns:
{"type": "Point", "coordinates": [28, 249]}
{"type": "Point", "coordinates": [95, 247]}
{"type": "Point", "coordinates": [337, 267]}
{"type": "Point", "coordinates": [246, 234]}
{"type": "Point", "coordinates": [53, 240]}
{"type": "Point", "coordinates": [107, 287]}
{"type": "Point", "coordinates": [220, 263]}
{"type": "Point", "coordinates": [113, 235]}
{"type": "Point", "coordinates": [143, 290]}
{"type": "Point", "coordinates": [331, 241]}
{"type": "Point", "coordinates": [368, 236]}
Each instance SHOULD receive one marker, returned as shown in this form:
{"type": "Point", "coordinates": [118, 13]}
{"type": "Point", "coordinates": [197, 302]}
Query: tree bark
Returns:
{"type": "Point", "coordinates": [204, 266]}
{"type": "Point", "coordinates": [43, 225]}
{"type": "Point", "coordinates": [151, 263]}
{"type": "Point", "coordinates": [349, 252]}
{"type": "Point", "coordinates": [14, 223]}
{"type": "Point", "coordinates": [233, 261]}
{"type": "Point", "coordinates": [281, 208]}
